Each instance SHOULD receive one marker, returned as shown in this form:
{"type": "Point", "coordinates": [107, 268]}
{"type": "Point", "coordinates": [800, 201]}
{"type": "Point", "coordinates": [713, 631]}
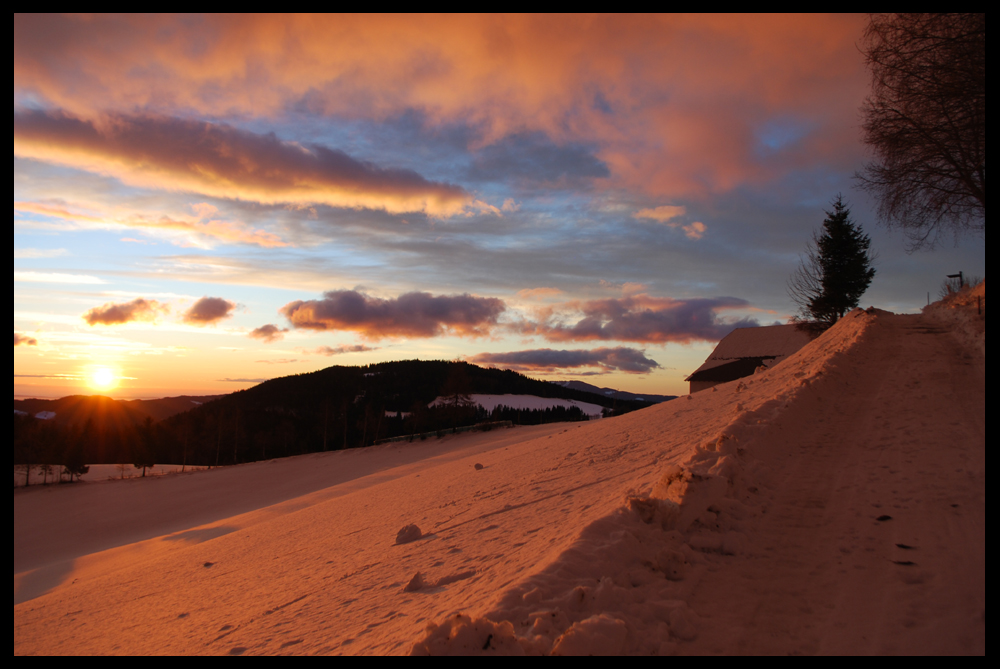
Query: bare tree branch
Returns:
{"type": "Point", "coordinates": [925, 121]}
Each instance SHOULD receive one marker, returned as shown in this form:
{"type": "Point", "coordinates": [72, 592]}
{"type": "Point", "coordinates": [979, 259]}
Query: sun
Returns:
{"type": "Point", "coordinates": [103, 378]}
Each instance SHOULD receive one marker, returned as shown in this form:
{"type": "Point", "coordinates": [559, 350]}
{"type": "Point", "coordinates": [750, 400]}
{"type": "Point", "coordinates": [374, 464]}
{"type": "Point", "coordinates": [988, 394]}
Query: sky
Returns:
{"type": "Point", "coordinates": [202, 203]}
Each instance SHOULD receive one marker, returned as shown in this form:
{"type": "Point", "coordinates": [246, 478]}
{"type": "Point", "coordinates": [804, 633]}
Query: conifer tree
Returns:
{"type": "Point", "coordinates": [836, 270]}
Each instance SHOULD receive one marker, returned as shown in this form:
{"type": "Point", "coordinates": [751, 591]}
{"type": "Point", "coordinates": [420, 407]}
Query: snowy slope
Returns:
{"type": "Point", "coordinates": [834, 504]}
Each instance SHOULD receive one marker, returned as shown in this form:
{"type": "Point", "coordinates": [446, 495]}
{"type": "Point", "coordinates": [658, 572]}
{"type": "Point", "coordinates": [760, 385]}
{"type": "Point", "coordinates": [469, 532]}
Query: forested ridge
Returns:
{"type": "Point", "coordinates": [333, 408]}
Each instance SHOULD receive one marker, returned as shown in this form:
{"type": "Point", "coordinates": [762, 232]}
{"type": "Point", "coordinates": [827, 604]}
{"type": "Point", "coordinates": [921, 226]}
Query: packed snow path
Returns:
{"type": "Point", "coordinates": [874, 540]}
{"type": "Point", "coordinates": [834, 504]}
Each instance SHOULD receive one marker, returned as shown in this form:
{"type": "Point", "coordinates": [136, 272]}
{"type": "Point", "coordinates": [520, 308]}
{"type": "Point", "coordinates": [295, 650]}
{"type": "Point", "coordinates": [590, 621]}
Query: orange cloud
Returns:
{"type": "Point", "coordinates": [640, 318]}
{"type": "Point", "coordinates": [666, 214]}
{"type": "Point", "coordinates": [55, 212]}
{"type": "Point", "coordinates": [268, 333]}
{"type": "Point", "coordinates": [661, 214]}
{"type": "Point", "coordinates": [226, 231]}
{"type": "Point", "coordinates": [538, 293]}
{"type": "Point", "coordinates": [209, 310]}
{"type": "Point", "coordinates": [409, 315]}
{"type": "Point", "coordinates": [622, 358]}
{"type": "Point", "coordinates": [138, 309]}
{"type": "Point", "coordinates": [222, 161]}
{"type": "Point", "coordinates": [24, 340]}
{"type": "Point", "coordinates": [674, 102]}
{"type": "Point", "coordinates": [695, 230]}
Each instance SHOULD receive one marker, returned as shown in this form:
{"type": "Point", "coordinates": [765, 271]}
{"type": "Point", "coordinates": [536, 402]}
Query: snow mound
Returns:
{"type": "Point", "coordinates": [408, 534]}
{"type": "Point", "coordinates": [621, 587]}
{"type": "Point", "coordinates": [964, 312]}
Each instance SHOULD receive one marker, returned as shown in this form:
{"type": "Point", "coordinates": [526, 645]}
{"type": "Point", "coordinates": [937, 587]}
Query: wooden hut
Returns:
{"type": "Point", "coordinates": [745, 350]}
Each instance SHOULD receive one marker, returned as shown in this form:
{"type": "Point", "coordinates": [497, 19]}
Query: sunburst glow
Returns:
{"type": "Point", "coordinates": [103, 378]}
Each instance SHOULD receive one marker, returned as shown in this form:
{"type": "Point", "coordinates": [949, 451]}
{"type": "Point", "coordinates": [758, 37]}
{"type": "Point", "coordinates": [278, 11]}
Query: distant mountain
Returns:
{"type": "Point", "coordinates": [166, 407]}
{"type": "Point", "coordinates": [614, 394]}
{"type": "Point", "coordinates": [78, 408]}
{"type": "Point", "coordinates": [104, 430]}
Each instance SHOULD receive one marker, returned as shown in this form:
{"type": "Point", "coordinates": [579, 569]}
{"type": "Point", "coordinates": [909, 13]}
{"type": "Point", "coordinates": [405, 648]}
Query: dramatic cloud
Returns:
{"type": "Point", "coordinates": [641, 318]}
{"type": "Point", "coordinates": [409, 315]}
{"type": "Point", "coordinates": [268, 333]}
{"type": "Point", "coordinates": [24, 340]}
{"type": "Point", "coordinates": [341, 350]}
{"type": "Point", "coordinates": [622, 359]}
{"type": "Point", "coordinates": [138, 309]}
{"type": "Point", "coordinates": [675, 105]}
{"type": "Point", "coordinates": [209, 310]}
{"type": "Point", "coordinates": [222, 161]}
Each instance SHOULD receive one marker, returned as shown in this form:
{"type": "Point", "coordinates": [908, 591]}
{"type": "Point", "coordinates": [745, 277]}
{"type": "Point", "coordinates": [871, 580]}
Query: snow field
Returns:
{"type": "Point", "coordinates": [834, 503]}
{"type": "Point", "coordinates": [622, 587]}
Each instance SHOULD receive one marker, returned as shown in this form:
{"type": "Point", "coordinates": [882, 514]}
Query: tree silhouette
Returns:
{"type": "Point", "coordinates": [144, 447]}
{"type": "Point", "coordinates": [456, 397]}
{"type": "Point", "coordinates": [925, 121]}
{"type": "Point", "coordinates": [835, 272]}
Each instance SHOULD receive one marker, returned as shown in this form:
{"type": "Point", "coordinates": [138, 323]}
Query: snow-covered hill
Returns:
{"type": "Point", "coordinates": [833, 504]}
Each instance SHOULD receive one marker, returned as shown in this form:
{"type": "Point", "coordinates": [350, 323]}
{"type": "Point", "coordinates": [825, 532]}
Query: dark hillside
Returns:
{"type": "Point", "coordinates": [332, 408]}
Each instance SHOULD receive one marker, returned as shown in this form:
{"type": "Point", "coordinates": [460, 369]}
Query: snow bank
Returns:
{"type": "Point", "coordinates": [964, 312]}
{"type": "Point", "coordinates": [621, 587]}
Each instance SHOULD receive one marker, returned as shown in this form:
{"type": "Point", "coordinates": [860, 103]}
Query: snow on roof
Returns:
{"type": "Point", "coordinates": [772, 343]}
{"type": "Point", "coordinates": [772, 340]}
{"type": "Point", "coordinates": [45, 415]}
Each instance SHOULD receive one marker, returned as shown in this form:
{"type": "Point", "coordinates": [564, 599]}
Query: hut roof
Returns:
{"type": "Point", "coordinates": [750, 347]}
